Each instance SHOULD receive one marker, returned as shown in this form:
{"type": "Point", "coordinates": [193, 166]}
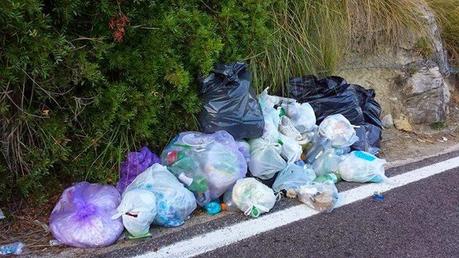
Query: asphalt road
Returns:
{"type": "Point", "coordinates": [417, 220]}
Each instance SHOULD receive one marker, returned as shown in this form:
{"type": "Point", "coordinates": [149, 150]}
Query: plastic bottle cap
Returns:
{"type": "Point", "coordinates": [255, 212]}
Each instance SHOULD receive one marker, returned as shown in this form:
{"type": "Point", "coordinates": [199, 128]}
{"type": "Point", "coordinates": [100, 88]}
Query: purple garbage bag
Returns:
{"type": "Point", "coordinates": [83, 216]}
{"type": "Point", "coordinates": [136, 163]}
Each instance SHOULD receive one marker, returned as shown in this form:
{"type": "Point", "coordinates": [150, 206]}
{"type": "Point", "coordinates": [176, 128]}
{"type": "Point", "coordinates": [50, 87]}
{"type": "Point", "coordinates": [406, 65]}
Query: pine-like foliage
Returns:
{"type": "Point", "coordinates": [82, 82]}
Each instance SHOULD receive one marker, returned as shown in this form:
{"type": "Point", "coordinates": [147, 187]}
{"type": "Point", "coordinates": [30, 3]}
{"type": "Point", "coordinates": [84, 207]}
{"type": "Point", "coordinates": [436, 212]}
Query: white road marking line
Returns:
{"type": "Point", "coordinates": [225, 236]}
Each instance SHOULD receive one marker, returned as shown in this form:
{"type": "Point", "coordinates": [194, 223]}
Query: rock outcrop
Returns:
{"type": "Point", "coordinates": [409, 84]}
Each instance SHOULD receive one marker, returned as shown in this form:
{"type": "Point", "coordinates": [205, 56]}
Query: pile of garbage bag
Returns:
{"type": "Point", "coordinates": [333, 95]}
{"type": "Point", "coordinates": [252, 150]}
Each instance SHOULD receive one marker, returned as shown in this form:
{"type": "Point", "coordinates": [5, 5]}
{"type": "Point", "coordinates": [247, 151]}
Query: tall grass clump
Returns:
{"type": "Point", "coordinates": [447, 12]}
{"type": "Point", "coordinates": [313, 36]}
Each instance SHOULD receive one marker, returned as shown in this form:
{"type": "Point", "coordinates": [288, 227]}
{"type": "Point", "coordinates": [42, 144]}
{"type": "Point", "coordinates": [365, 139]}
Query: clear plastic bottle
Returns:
{"type": "Point", "coordinates": [15, 248]}
{"type": "Point", "coordinates": [229, 205]}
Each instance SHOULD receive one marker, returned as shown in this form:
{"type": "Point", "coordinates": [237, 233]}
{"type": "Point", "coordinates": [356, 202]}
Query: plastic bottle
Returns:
{"type": "Point", "coordinates": [378, 196]}
{"type": "Point", "coordinates": [319, 145]}
{"type": "Point", "coordinates": [198, 184]}
{"type": "Point", "coordinates": [15, 248]}
{"type": "Point", "coordinates": [228, 203]}
{"type": "Point", "coordinates": [213, 208]}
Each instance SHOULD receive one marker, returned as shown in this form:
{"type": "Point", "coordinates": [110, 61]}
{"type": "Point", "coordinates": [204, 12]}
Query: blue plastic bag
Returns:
{"type": "Point", "coordinates": [293, 177]}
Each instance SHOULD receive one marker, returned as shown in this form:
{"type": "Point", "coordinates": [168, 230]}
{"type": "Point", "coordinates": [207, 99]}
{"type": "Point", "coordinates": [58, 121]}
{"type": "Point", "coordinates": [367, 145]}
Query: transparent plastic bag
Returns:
{"type": "Point", "coordinates": [293, 177]}
{"type": "Point", "coordinates": [271, 115]}
{"type": "Point", "coordinates": [137, 210]}
{"type": "Point", "coordinates": [83, 216]}
{"type": "Point", "coordinates": [244, 148]}
{"type": "Point", "coordinates": [319, 196]}
{"type": "Point", "coordinates": [253, 197]}
{"type": "Point", "coordinates": [266, 159]}
{"type": "Point", "coordinates": [291, 150]}
{"type": "Point", "coordinates": [287, 128]}
{"type": "Point", "coordinates": [208, 164]}
{"type": "Point", "coordinates": [327, 161]}
{"type": "Point", "coordinates": [301, 115]}
{"type": "Point", "coordinates": [174, 203]}
{"type": "Point", "coordinates": [338, 130]}
{"type": "Point", "coordinates": [362, 167]}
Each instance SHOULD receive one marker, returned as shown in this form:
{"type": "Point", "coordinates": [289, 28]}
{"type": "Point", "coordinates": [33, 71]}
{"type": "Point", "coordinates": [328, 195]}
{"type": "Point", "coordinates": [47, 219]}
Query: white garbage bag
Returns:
{"type": "Point", "coordinates": [137, 210]}
{"type": "Point", "coordinates": [327, 161]}
{"type": "Point", "coordinates": [319, 196]}
{"type": "Point", "coordinates": [291, 150]}
{"type": "Point", "coordinates": [174, 203]}
{"type": "Point", "coordinates": [265, 160]}
{"type": "Point", "coordinates": [287, 128]}
{"type": "Point", "coordinates": [253, 197]}
{"type": "Point", "coordinates": [293, 177]}
{"type": "Point", "coordinates": [338, 130]}
{"type": "Point", "coordinates": [302, 115]}
{"type": "Point", "coordinates": [361, 167]}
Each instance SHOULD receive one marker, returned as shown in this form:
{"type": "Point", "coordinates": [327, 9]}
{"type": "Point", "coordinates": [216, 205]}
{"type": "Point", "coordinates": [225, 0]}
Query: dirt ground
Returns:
{"type": "Point", "coordinates": [28, 223]}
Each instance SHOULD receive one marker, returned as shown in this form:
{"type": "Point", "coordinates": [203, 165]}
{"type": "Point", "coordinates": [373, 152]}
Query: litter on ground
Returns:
{"type": "Point", "coordinates": [252, 150]}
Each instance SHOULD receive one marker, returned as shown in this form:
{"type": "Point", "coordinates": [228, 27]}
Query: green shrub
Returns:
{"type": "Point", "coordinates": [83, 82]}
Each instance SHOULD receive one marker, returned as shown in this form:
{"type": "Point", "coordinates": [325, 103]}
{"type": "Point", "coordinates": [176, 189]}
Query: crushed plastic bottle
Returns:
{"type": "Point", "coordinates": [377, 196]}
{"type": "Point", "coordinates": [213, 208]}
{"type": "Point", "coordinates": [55, 242]}
{"type": "Point", "coordinates": [15, 248]}
{"type": "Point", "coordinates": [2, 216]}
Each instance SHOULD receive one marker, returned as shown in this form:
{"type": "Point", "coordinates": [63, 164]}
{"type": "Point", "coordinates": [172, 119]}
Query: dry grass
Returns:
{"type": "Point", "coordinates": [447, 12]}
{"type": "Point", "coordinates": [313, 36]}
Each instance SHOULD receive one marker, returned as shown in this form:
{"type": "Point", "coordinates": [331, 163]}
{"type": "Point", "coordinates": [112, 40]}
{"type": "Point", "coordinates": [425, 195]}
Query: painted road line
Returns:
{"type": "Point", "coordinates": [222, 237]}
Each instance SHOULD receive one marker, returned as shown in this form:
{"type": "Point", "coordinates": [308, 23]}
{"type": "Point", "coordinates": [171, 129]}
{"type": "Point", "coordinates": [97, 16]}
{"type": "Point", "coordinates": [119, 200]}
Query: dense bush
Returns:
{"type": "Point", "coordinates": [82, 82]}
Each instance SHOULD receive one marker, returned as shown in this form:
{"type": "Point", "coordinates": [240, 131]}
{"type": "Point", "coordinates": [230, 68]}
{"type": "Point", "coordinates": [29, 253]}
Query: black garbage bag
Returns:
{"type": "Point", "coordinates": [229, 103]}
{"type": "Point", "coordinates": [371, 109]}
{"type": "Point", "coordinates": [345, 103]}
{"type": "Point", "coordinates": [307, 88]}
{"type": "Point", "coordinates": [369, 138]}
{"type": "Point", "coordinates": [333, 95]}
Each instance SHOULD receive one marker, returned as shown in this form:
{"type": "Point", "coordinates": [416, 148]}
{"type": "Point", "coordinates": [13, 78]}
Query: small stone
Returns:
{"type": "Point", "coordinates": [403, 124]}
{"type": "Point", "coordinates": [387, 121]}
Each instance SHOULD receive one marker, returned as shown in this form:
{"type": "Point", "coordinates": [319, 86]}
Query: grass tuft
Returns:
{"type": "Point", "coordinates": [447, 12]}
{"type": "Point", "coordinates": [313, 36]}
